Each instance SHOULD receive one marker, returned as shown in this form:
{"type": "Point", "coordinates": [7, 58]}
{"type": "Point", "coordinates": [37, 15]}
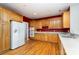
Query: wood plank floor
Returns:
{"type": "Point", "coordinates": [34, 47]}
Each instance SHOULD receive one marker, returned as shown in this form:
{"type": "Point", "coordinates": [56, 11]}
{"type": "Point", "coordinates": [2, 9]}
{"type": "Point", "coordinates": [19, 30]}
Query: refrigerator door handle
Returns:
{"type": "Point", "coordinates": [15, 30]}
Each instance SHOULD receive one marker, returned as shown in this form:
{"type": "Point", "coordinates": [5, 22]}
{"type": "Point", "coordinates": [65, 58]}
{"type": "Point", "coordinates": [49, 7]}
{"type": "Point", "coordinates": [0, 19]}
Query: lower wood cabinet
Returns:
{"type": "Point", "coordinates": [46, 37]}
{"type": "Point", "coordinates": [61, 48]}
{"type": "Point", "coordinates": [53, 38]}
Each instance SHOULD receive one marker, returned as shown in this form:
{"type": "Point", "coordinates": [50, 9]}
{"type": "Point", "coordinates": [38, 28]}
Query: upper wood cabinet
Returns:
{"type": "Point", "coordinates": [36, 23]}
{"type": "Point", "coordinates": [39, 24]}
{"type": "Point", "coordinates": [33, 24]}
{"type": "Point", "coordinates": [55, 23]}
{"type": "Point", "coordinates": [50, 22]}
{"type": "Point", "coordinates": [45, 22]}
{"type": "Point", "coordinates": [12, 15]}
{"type": "Point", "coordinates": [66, 19]}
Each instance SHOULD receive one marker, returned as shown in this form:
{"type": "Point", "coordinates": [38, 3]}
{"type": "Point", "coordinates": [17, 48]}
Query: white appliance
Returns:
{"type": "Point", "coordinates": [18, 34]}
{"type": "Point", "coordinates": [26, 30]}
{"type": "Point", "coordinates": [32, 31]}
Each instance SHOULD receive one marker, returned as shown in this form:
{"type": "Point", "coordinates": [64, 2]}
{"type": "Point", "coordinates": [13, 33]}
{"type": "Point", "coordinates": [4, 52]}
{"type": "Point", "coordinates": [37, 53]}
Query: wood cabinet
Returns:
{"type": "Point", "coordinates": [37, 24]}
{"type": "Point", "coordinates": [61, 48]}
{"type": "Point", "coordinates": [39, 37]}
{"type": "Point", "coordinates": [12, 15]}
{"type": "Point", "coordinates": [4, 31]}
{"type": "Point", "coordinates": [1, 40]}
{"type": "Point", "coordinates": [55, 23]}
{"type": "Point", "coordinates": [32, 24]}
{"type": "Point", "coordinates": [5, 17]}
{"type": "Point", "coordinates": [66, 19]}
{"type": "Point", "coordinates": [50, 22]}
{"type": "Point", "coordinates": [45, 22]}
{"type": "Point", "coordinates": [52, 37]}
{"type": "Point", "coordinates": [46, 37]}
{"type": "Point", "coordinates": [6, 34]}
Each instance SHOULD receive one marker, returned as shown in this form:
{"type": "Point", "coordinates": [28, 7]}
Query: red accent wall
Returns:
{"type": "Point", "coordinates": [26, 19]}
{"type": "Point", "coordinates": [49, 17]}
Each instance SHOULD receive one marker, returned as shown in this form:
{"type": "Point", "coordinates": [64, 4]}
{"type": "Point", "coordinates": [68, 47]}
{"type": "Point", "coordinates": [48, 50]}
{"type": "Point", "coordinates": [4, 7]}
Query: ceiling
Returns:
{"type": "Point", "coordinates": [37, 10]}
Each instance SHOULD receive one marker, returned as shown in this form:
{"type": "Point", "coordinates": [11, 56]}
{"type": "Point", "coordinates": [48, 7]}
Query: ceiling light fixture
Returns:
{"type": "Point", "coordinates": [34, 13]}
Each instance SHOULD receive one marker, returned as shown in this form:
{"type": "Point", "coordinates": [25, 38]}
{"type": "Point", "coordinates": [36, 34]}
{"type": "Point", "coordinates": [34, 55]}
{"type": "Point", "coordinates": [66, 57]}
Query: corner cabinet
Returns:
{"type": "Point", "coordinates": [66, 19]}
{"type": "Point", "coordinates": [5, 18]}
{"type": "Point", "coordinates": [61, 48]}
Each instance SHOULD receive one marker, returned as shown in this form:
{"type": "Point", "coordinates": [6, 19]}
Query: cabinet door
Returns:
{"type": "Point", "coordinates": [6, 30]}
{"type": "Point", "coordinates": [39, 24]}
{"type": "Point", "coordinates": [1, 40]}
{"type": "Point", "coordinates": [12, 15]}
{"type": "Point", "coordinates": [53, 38]}
{"type": "Point", "coordinates": [66, 19]}
{"type": "Point", "coordinates": [36, 37]}
{"type": "Point", "coordinates": [42, 37]}
{"type": "Point", "coordinates": [6, 35]}
{"type": "Point", "coordinates": [61, 48]}
{"type": "Point", "coordinates": [43, 22]}
{"type": "Point", "coordinates": [39, 36]}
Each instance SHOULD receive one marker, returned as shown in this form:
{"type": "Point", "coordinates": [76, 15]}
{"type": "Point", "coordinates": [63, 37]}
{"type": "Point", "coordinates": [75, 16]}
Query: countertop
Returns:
{"type": "Point", "coordinates": [71, 45]}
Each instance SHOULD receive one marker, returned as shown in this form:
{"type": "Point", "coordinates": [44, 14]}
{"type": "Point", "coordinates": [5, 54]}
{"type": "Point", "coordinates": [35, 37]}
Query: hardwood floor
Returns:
{"type": "Point", "coordinates": [35, 47]}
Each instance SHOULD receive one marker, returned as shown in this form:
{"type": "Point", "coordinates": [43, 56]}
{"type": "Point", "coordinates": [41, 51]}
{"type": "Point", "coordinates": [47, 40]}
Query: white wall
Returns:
{"type": "Point", "coordinates": [74, 18]}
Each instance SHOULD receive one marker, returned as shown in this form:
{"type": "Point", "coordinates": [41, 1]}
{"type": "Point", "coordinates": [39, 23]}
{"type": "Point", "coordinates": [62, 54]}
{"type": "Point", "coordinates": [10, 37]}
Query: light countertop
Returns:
{"type": "Point", "coordinates": [71, 45]}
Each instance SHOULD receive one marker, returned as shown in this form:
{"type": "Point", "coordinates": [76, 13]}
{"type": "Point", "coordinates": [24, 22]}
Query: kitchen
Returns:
{"type": "Point", "coordinates": [43, 29]}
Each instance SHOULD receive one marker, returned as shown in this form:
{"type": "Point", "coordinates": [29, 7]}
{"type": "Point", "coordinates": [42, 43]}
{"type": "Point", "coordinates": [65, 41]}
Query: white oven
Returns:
{"type": "Point", "coordinates": [32, 31]}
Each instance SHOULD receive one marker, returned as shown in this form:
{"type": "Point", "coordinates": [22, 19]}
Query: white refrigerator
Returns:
{"type": "Point", "coordinates": [18, 34]}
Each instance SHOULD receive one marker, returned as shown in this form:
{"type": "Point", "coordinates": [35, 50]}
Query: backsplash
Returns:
{"type": "Point", "coordinates": [55, 30]}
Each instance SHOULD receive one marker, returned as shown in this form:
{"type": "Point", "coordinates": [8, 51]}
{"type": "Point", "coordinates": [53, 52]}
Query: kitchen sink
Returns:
{"type": "Point", "coordinates": [69, 35]}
